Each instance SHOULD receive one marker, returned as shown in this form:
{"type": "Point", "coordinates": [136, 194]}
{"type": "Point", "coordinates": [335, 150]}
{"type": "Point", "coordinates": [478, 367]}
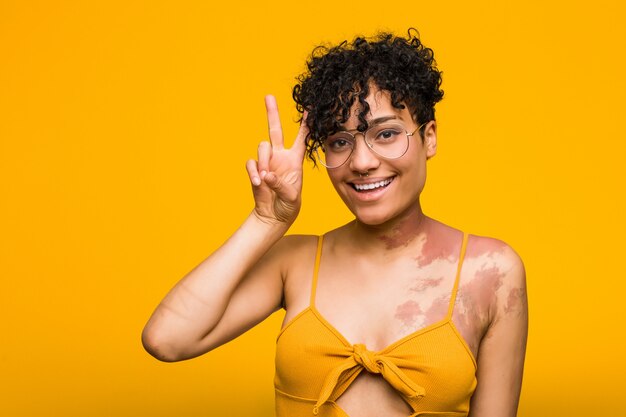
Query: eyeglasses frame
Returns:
{"type": "Point", "coordinates": [371, 148]}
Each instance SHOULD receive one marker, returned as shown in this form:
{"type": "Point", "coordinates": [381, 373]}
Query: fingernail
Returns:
{"type": "Point", "coordinates": [256, 181]}
{"type": "Point", "coordinates": [263, 174]}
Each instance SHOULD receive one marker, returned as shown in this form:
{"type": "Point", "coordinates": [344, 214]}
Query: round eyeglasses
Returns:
{"type": "Point", "coordinates": [389, 140]}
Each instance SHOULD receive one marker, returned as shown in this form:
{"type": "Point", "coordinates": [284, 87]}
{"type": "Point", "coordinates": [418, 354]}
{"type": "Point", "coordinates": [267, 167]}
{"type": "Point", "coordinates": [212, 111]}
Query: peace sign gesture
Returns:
{"type": "Point", "coordinates": [276, 176]}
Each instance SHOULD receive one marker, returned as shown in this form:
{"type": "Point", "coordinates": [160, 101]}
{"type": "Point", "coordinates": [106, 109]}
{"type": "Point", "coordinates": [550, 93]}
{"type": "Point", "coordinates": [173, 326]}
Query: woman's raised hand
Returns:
{"type": "Point", "coordinates": [276, 176]}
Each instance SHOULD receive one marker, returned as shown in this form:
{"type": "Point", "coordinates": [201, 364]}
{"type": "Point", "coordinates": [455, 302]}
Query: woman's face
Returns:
{"type": "Point", "coordinates": [399, 182]}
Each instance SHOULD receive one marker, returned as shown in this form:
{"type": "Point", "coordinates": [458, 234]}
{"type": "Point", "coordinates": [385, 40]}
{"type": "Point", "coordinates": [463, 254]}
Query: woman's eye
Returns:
{"type": "Point", "coordinates": [386, 135]}
{"type": "Point", "coordinates": [339, 144]}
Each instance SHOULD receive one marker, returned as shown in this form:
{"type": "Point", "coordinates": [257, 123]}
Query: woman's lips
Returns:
{"type": "Point", "coordinates": [371, 183]}
{"type": "Point", "coordinates": [371, 189]}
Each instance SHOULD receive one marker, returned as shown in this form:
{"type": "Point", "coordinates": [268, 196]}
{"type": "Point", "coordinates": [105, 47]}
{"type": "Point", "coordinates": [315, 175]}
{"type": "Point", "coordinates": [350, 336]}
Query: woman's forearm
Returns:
{"type": "Point", "coordinates": [192, 309]}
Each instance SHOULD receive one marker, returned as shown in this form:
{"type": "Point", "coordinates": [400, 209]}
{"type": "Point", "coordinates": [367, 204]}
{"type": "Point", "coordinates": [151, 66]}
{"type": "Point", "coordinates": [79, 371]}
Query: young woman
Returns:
{"type": "Point", "coordinates": [393, 314]}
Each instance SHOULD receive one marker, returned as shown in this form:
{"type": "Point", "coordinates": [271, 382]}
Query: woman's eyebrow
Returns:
{"type": "Point", "coordinates": [376, 121]}
{"type": "Point", "coordinates": [380, 120]}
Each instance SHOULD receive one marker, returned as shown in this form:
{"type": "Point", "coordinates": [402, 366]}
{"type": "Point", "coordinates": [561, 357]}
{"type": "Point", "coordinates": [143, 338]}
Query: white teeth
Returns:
{"type": "Point", "coordinates": [363, 187]}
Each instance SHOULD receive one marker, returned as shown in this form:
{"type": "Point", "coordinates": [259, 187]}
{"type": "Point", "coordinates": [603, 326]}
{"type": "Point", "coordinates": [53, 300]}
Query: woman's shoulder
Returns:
{"type": "Point", "coordinates": [492, 251]}
{"type": "Point", "coordinates": [495, 270]}
{"type": "Point", "coordinates": [298, 242]}
{"type": "Point", "coordinates": [298, 254]}
{"type": "Point", "coordinates": [295, 248]}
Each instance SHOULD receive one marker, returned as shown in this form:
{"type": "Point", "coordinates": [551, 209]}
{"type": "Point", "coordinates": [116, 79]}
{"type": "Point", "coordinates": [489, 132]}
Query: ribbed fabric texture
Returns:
{"type": "Point", "coordinates": [432, 368]}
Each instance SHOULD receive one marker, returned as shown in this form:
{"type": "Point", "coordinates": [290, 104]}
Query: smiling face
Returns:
{"type": "Point", "coordinates": [392, 187]}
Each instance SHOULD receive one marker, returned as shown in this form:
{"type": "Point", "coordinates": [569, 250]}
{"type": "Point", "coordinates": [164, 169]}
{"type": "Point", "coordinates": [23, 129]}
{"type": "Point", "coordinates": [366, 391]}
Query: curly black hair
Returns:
{"type": "Point", "coordinates": [339, 75]}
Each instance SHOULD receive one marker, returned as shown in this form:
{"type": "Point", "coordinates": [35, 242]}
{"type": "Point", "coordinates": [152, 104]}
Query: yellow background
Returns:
{"type": "Point", "coordinates": [124, 130]}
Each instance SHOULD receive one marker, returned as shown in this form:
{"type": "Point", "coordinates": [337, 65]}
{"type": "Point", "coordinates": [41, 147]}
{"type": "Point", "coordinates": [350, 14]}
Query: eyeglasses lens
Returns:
{"type": "Point", "coordinates": [389, 140]}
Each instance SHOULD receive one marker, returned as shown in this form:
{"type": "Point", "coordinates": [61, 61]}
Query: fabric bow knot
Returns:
{"type": "Point", "coordinates": [359, 358]}
{"type": "Point", "coordinates": [366, 359]}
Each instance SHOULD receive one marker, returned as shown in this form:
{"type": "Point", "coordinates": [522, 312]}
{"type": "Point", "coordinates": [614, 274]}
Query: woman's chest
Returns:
{"type": "Point", "coordinates": [377, 306]}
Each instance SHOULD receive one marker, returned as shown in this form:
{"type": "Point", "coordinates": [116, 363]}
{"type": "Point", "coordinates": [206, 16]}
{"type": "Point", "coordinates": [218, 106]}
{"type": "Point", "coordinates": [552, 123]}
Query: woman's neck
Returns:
{"type": "Point", "coordinates": [392, 235]}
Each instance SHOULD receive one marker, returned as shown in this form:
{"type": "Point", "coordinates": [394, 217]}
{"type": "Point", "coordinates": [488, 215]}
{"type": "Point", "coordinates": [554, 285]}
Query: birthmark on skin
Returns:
{"type": "Point", "coordinates": [438, 310]}
{"type": "Point", "coordinates": [479, 294]}
{"type": "Point", "coordinates": [515, 301]}
{"type": "Point", "coordinates": [427, 283]}
{"type": "Point", "coordinates": [393, 242]}
{"type": "Point", "coordinates": [413, 318]}
{"type": "Point", "coordinates": [408, 312]}
{"type": "Point", "coordinates": [401, 235]}
{"type": "Point", "coordinates": [467, 322]}
{"type": "Point", "coordinates": [488, 280]}
{"type": "Point", "coordinates": [484, 246]}
{"type": "Point", "coordinates": [434, 250]}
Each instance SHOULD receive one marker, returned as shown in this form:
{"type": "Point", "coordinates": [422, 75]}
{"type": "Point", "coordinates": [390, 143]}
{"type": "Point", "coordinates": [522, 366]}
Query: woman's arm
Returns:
{"type": "Point", "coordinates": [502, 349]}
{"type": "Point", "coordinates": [240, 283]}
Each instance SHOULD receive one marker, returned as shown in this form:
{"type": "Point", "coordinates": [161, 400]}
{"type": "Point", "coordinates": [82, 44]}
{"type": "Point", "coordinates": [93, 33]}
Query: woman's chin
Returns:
{"type": "Point", "coordinates": [371, 217]}
{"type": "Point", "coordinates": [385, 214]}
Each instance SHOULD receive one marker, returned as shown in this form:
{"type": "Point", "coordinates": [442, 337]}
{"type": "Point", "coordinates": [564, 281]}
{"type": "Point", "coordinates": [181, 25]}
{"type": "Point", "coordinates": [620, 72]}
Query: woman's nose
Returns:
{"type": "Point", "coordinates": [363, 159]}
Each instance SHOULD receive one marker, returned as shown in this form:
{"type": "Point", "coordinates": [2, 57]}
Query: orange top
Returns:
{"type": "Point", "coordinates": [432, 369]}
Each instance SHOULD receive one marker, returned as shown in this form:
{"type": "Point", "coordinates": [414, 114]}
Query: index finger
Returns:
{"type": "Point", "coordinates": [273, 121]}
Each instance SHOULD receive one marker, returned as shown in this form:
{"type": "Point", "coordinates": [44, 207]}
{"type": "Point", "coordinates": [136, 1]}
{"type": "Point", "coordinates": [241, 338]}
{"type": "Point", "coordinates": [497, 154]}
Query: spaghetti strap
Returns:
{"type": "Point", "coordinates": [458, 275]}
{"type": "Point", "coordinates": [316, 269]}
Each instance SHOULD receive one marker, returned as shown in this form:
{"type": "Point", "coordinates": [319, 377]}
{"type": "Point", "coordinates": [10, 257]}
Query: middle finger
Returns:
{"type": "Point", "coordinates": [273, 121]}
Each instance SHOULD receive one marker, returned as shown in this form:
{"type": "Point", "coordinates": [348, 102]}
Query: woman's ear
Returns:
{"type": "Point", "coordinates": [430, 139]}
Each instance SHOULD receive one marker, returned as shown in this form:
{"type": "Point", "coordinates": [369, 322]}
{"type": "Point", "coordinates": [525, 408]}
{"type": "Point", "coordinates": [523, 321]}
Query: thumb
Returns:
{"type": "Point", "coordinates": [280, 187]}
{"type": "Point", "coordinates": [273, 181]}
